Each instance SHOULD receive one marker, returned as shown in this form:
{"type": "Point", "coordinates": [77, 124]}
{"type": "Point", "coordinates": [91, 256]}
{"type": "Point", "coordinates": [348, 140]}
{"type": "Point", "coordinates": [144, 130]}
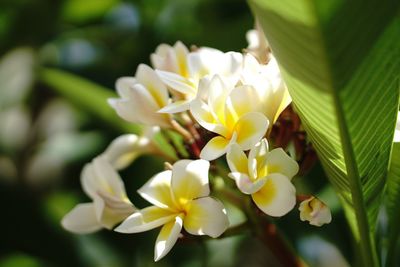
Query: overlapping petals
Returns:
{"type": "Point", "coordinates": [265, 175]}
{"type": "Point", "coordinates": [110, 204]}
{"type": "Point", "coordinates": [183, 79]}
{"type": "Point", "coordinates": [228, 112]}
{"type": "Point", "coordinates": [141, 97]}
{"type": "Point", "coordinates": [269, 86]}
{"type": "Point", "coordinates": [181, 199]}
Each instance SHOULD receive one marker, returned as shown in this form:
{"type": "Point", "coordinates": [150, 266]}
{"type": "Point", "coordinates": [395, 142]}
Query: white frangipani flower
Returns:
{"type": "Point", "coordinates": [228, 112]}
{"type": "Point", "coordinates": [315, 211]}
{"type": "Point", "coordinates": [265, 175]}
{"type": "Point", "coordinates": [271, 89]}
{"type": "Point", "coordinates": [181, 199]}
{"type": "Point", "coordinates": [258, 44]}
{"type": "Point", "coordinates": [110, 204]}
{"type": "Point", "coordinates": [142, 97]}
{"type": "Point", "coordinates": [198, 64]}
{"type": "Point", "coordinates": [397, 130]}
{"type": "Point", "coordinates": [126, 148]}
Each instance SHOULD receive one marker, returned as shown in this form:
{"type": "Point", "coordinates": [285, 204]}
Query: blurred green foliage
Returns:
{"type": "Point", "coordinates": [45, 139]}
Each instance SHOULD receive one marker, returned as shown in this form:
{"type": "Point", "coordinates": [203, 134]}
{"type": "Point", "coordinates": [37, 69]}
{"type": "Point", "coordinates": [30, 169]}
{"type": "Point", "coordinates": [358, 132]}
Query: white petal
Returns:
{"type": "Point", "coordinates": [177, 106]}
{"type": "Point", "coordinates": [204, 61]}
{"type": "Point", "coordinates": [147, 76]}
{"type": "Point", "coordinates": [277, 197]}
{"type": "Point", "coordinates": [206, 216]}
{"type": "Point", "coordinates": [257, 158]}
{"type": "Point", "coordinates": [124, 150]}
{"type": "Point", "coordinates": [245, 184]}
{"type": "Point", "coordinates": [167, 237]}
{"type": "Point", "coordinates": [218, 93]}
{"type": "Point", "coordinates": [99, 175]}
{"type": "Point", "coordinates": [245, 99]}
{"type": "Point", "coordinates": [250, 128]}
{"type": "Point", "coordinates": [181, 52]}
{"type": "Point", "coordinates": [157, 190]}
{"type": "Point", "coordinates": [108, 179]}
{"type": "Point", "coordinates": [125, 109]}
{"type": "Point", "coordinates": [177, 82]}
{"type": "Point", "coordinates": [236, 158]}
{"type": "Point", "coordinates": [81, 219]}
{"type": "Point", "coordinates": [215, 148]}
{"type": "Point", "coordinates": [205, 117]}
{"type": "Point", "coordinates": [190, 180]}
{"type": "Point", "coordinates": [124, 85]}
{"type": "Point", "coordinates": [145, 219]}
{"type": "Point", "coordinates": [147, 107]}
{"type": "Point", "coordinates": [89, 181]}
{"type": "Point", "coordinates": [278, 161]}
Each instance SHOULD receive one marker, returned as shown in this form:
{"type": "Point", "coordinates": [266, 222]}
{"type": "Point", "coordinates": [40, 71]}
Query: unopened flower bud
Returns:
{"type": "Point", "coordinates": [315, 211]}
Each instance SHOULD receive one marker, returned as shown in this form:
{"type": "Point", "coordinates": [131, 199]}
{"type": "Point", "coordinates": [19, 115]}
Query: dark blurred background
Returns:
{"type": "Point", "coordinates": [45, 138]}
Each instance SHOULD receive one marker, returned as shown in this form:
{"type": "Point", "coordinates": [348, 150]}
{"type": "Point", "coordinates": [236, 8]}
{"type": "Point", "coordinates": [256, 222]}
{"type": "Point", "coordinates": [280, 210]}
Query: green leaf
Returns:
{"type": "Point", "coordinates": [79, 11]}
{"type": "Point", "coordinates": [92, 98]}
{"type": "Point", "coordinates": [340, 60]}
{"type": "Point", "coordinates": [86, 95]}
{"type": "Point", "coordinates": [392, 204]}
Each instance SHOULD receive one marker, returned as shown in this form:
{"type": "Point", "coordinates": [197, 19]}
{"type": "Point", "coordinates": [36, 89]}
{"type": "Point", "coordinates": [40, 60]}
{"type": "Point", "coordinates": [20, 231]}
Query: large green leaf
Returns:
{"type": "Point", "coordinates": [340, 60]}
{"type": "Point", "coordinates": [393, 204]}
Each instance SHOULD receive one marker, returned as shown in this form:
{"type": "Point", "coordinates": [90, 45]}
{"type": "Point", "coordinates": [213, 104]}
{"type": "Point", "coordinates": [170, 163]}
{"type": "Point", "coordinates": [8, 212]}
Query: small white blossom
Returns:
{"type": "Point", "coordinates": [181, 199]}
{"type": "Point", "coordinates": [110, 204]}
{"type": "Point", "coordinates": [265, 175]}
{"type": "Point", "coordinates": [229, 112]}
{"type": "Point", "coordinates": [267, 80]}
{"type": "Point", "coordinates": [181, 71]}
{"type": "Point", "coordinates": [315, 211]}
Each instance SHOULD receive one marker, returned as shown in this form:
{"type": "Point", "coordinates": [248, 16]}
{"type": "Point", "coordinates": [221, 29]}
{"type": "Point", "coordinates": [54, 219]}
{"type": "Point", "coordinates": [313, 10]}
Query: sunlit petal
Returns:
{"type": "Point", "coordinates": [206, 216]}
{"type": "Point", "coordinates": [149, 79]}
{"type": "Point", "coordinates": [215, 148]}
{"type": "Point", "coordinates": [167, 237]}
{"type": "Point", "coordinates": [277, 197]}
{"type": "Point", "coordinates": [145, 219]}
{"type": "Point", "coordinates": [278, 161]}
{"type": "Point", "coordinates": [236, 158]}
{"type": "Point", "coordinates": [158, 190]}
{"type": "Point", "coordinates": [245, 99]}
{"type": "Point", "coordinates": [204, 116]}
{"type": "Point", "coordinates": [218, 92]}
{"type": "Point", "coordinates": [177, 82]}
{"type": "Point", "coordinates": [190, 180]}
{"type": "Point", "coordinates": [250, 128]}
{"type": "Point", "coordinates": [257, 157]}
{"type": "Point", "coordinates": [177, 106]}
{"type": "Point", "coordinates": [146, 107]}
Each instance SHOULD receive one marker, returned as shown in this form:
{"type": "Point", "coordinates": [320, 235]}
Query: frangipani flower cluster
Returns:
{"type": "Point", "coordinates": [219, 103]}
